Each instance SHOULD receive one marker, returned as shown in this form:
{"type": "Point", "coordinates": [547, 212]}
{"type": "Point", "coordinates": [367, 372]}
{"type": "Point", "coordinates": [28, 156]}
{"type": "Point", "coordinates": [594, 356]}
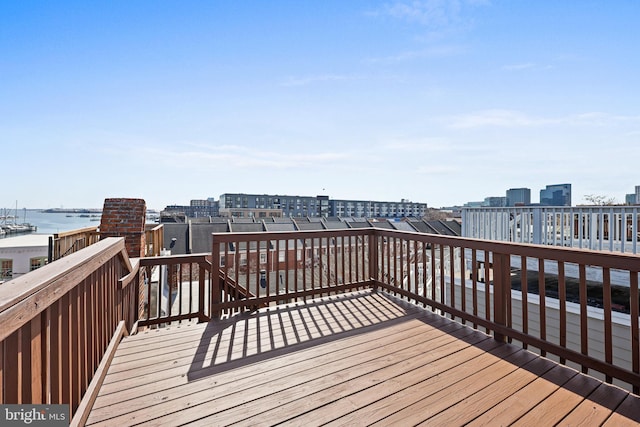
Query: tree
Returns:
{"type": "Point", "coordinates": [600, 200]}
{"type": "Point", "coordinates": [435, 214]}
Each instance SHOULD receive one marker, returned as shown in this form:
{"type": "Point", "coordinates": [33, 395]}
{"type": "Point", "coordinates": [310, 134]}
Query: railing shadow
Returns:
{"type": "Point", "coordinates": [597, 398]}
{"type": "Point", "coordinates": [257, 336]}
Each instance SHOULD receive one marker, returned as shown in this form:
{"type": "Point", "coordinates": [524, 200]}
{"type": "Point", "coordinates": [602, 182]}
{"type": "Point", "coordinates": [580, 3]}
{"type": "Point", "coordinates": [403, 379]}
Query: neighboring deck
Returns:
{"type": "Point", "coordinates": [360, 358]}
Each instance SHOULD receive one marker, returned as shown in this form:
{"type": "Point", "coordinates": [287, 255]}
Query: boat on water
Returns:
{"type": "Point", "coordinates": [19, 228]}
{"type": "Point", "coordinates": [9, 224]}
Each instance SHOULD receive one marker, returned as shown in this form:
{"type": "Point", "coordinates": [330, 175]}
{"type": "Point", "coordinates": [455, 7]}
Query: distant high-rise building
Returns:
{"type": "Point", "coordinates": [494, 202]}
{"type": "Point", "coordinates": [637, 195]}
{"type": "Point", "coordinates": [376, 209]}
{"type": "Point", "coordinates": [475, 204]}
{"type": "Point", "coordinates": [291, 206]}
{"type": "Point", "coordinates": [556, 195]}
{"type": "Point", "coordinates": [518, 197]}
{"type": "Point", "coordinates": [196, 208]}
{"type": "Point", "coordinates": [630, 199]}
{"type": "Point", "coordinates": [305, 206]}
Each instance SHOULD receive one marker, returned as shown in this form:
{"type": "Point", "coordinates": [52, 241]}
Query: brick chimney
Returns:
{"type": "Point", "coordinates": [125, 218]}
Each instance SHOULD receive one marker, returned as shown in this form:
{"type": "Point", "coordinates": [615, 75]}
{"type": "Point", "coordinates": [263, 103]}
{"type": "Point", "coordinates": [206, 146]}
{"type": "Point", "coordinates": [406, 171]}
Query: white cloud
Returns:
{"type": "Point", "coordinates": [432, 13]}
{"type": "Point", "coordinates": [526, 66]}
{"type": "Point", "coordinates": [428, 12]}
{"type": "Point", "coordinates": [429, 52]}
{"type": "Point", "coordinates": [515, 119]}
{"type": "Point", "coordinates": [438, 170]}
{"type": "Point", "coordinates": [440, 22]}
{"type": "Point", "coordinates": [419, 144]}
{"type": "Point", "coordinates": [495, 118]}
{"type": "Point", "coordinates": [234, 156]}
{"type": "Point", "coordinates": [516, 67]}
{"type": "Point", "coordinates": [307, 80]}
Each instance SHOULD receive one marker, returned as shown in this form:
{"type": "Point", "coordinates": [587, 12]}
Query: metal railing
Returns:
{"type": "Point", "coordinates": [612, 228]}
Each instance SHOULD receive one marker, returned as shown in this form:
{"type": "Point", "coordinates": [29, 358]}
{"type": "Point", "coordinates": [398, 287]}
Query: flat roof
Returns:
{"type": "Point", "coordinates": [25, 240]}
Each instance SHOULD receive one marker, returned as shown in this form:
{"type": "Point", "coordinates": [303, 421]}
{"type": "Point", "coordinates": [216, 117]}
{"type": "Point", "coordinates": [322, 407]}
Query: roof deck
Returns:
{"type": "Point", "coordinates": [353, 359]}
{"type": "Point", "coordinates": [346, 327]}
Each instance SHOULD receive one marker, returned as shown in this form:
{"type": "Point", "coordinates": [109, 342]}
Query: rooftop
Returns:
{"type": "Point", "coordinates": [25, 240]}
{"type": "Point", "coordinates": [353, 359]}
{"type": "Point", "coordinates": [348, 326]}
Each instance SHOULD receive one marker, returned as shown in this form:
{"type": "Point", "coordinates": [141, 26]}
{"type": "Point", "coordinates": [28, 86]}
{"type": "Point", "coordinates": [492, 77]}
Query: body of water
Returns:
{"type": "Point", "coordinates": [57, 222]}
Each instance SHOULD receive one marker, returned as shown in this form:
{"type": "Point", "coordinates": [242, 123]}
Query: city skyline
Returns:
{"type": "Point", "coordinates": [440, 102]}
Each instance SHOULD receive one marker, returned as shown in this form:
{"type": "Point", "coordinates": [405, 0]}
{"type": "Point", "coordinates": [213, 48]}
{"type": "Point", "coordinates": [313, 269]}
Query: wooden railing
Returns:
{"type": "Point", "coordinates": [175, 288]}
{"type": "Point", "coordinates": [63, 244]}
{"type": "Point", "coordinates": [154, 239]}
{"type": "Point", "coordinates": [58, 325]}
{"type": "Point", "coordinates": [283, 266]}
{"type": "Point", "coordinates": [557, 301]}
{"type": "Point", "coordinates": [577, 306]}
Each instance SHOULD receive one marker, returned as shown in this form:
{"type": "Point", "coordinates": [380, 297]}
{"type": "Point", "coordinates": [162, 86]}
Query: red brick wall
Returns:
{"type": "Point", "coordinates": [125, 218]}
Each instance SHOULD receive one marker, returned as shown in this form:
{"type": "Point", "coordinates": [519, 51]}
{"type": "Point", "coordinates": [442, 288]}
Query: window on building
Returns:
{"type": "Point", "coordinates": [6, 269]}
{"type": "Point", "coordinates": [36, 263]}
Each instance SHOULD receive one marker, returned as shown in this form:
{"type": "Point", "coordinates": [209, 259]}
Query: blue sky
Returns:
{"type": "Point", "coordinates": [433, 101]}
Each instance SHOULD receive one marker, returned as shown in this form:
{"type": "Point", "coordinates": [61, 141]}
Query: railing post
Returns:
{"type": "Point", "coordinates": [373, 259]}
{"type": "Point", "coordinates": [214, 285]}
{"type": "Point", "coordinates": [501, 291]}
{"type": "Point", "coordinates": [50, 251]}
{"type": "Point", "coordinates": [201, 276]}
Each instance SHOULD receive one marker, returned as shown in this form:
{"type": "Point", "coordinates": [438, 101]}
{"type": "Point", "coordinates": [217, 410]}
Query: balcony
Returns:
{"type": "Point", "coordinates": [345, 327]}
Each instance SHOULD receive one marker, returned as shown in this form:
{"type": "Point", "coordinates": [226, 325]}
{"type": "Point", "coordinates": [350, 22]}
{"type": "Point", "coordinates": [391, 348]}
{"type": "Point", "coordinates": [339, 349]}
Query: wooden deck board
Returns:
{"type": "Point", "coordinates": [383, 366]}
{"type": "Point", "coordinates": [303, 368]}
{"type": "Point", "coordinates": [429, 386]}
{"type": "Point", "coordinates": [525, 399]}
{"type": "Point", "coordinates": [355, 359]}
{"type": "Point", "coordinates": [596, 408]}
{"type": "Point", "coordinates": [550, 411]}
{"type": "Point", "coordinates": [312, 356]}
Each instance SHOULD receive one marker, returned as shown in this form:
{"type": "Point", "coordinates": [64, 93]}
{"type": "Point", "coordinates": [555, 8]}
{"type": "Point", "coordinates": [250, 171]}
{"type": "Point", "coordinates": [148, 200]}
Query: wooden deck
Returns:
{"type": "Point", "coordinates": [357, 359]}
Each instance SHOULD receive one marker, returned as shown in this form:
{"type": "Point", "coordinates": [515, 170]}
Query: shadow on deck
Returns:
{"type": "Point", "coordinates": [355, 359]}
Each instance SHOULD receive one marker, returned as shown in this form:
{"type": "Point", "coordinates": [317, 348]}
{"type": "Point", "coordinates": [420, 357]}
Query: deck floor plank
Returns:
{"type": "Point", "coordinates": [295, 363]}
{"type": "Point", "coordinates": [355, 359]}
{"type": "Point", "coordinates": [491, 396]}
{"type": "Point", "coordinates": [596, 408]}
{"type": "Point", "coordinates": [374, 400]}
{"type": "Point", "coordinates": [412, 388]}
{"type": "Point", "coordinates": [212, 343]}
{"type": "Point", "coordinates": [176, 375]}
{"type": "Point", "coordinates": [525, 399]}
{"type": "Point", "coordinates": [181, 407]}
{"type": "Point", "coordinates": [627, 414]}
{"type": "Point", "coordinates": [461, 384]}
{"type": "Point", "coordinates": [560, 403]}
{"type": "Point", "coordinates": [314, 395]}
